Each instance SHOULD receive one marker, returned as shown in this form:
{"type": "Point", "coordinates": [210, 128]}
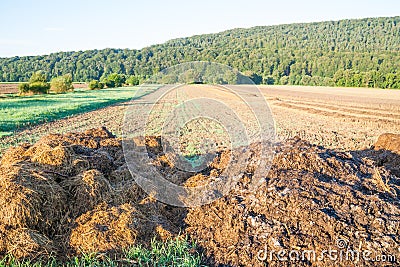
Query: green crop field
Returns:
{"type": "Point", "coordinates": [17, 112]}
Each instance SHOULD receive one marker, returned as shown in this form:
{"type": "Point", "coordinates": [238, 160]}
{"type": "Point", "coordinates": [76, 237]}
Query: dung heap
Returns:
{"type": "Point", "coordinates": [73, 193]}
{"type": "Point", "coordinates": [314, 201]}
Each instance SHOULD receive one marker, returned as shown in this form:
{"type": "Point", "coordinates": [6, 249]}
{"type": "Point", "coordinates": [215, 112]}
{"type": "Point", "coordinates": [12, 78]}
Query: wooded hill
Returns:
{"type": "Point", "coordinates": [360, 52]}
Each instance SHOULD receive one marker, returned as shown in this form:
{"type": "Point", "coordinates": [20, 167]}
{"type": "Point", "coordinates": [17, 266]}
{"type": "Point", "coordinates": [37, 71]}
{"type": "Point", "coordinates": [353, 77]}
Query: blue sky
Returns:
{"type": "Point", "coordinates": [41, 27]}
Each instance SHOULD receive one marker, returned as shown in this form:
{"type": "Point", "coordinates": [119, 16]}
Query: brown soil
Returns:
{"type": "Point", "coordinates": [338, 118]}
{"type": "Point", "coordinates": [8, 88]}
{"type": "Point", "coordinates": [12, 88]}
{"type": "Point", "coordinates": [79, 85]}
{"type": "Point", "coordinates": [73, 193]}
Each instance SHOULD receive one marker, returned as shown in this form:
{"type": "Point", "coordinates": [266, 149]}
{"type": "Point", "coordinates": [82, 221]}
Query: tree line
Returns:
{"type": "Point", "coordinates": [38, 83]}
{"type": "Point", "coordinates": [360, 53]}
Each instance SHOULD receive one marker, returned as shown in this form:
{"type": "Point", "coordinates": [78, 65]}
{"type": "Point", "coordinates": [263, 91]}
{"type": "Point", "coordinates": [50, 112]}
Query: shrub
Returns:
{"type": "Point", "coordinates": [114, 80]}
{"type": "Point", "coordinates": [109, 83]}
{"type": "Point", "coordinates": [39, 87]}
{"type": "Point", "coordinates": [132, 80]}
{"type": "Point", "coordinates": [37, 84]}
{"type": "Point", "coordinates": [34, 88]}
{"type": "Point", "coordinates": [95, 84]}
{"type": "Point", "coordinates": [38, 76]}
{"type": "Point", "coordinates": [62, 84]}
{"type": "Point", "coordinates": [23, 88]}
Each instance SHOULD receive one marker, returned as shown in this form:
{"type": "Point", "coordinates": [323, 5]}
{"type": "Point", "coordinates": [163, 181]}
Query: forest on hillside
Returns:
{"type": "Point", "coordinates": [360, 53]}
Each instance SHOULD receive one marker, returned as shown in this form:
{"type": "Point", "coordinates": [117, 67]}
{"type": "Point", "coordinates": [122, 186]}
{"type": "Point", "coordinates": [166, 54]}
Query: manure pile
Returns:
{"type": "Point", "coordinates": [73, 193]}
{"type": "Point", "coordinates": [313, 199]}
